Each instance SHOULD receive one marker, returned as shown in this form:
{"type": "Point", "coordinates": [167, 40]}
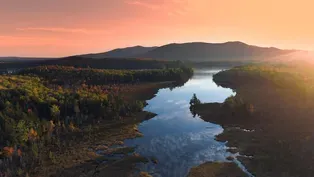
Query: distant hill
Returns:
{"type": "Point", "coordinates": [198, 51]}
{"type": "Point", "coordinates": [23, 59]}
{"type": "Point", "coordinates": [121, 52]}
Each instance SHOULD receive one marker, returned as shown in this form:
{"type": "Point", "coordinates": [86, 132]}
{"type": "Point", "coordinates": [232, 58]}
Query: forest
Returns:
{"type": "Point", "coordinates": [105, 63]}
{"type": "Point", "coordinates": [269, 119]}
{"type": "Point", "coordinates": [71, 75]}
{"type": "Point", "coordinates": [41, 105]}
{"type": "Point", "coordinates": [297, 78]}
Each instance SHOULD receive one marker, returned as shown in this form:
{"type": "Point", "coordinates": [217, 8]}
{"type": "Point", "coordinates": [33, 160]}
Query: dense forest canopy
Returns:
{"type": "Point", "coordinates": [72, 75]}
{"type": "Point", "coordinates": [297, 78]}
{"type": "Point", "coordinates": [103, 63]}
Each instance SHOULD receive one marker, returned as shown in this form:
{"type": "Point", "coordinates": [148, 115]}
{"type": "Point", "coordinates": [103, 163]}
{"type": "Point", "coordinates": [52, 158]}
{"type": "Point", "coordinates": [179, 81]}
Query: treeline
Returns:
{"type": "Point", "coordinates": [216, 64]}
{"type": "Point", "coordinates": [281, 76]}
{"type": "Point", "coordinates": [70, 75]}
{"type": "Point", "coordinates": [115, 63]}
{"type": "Point", "coordinates": [106, 63]}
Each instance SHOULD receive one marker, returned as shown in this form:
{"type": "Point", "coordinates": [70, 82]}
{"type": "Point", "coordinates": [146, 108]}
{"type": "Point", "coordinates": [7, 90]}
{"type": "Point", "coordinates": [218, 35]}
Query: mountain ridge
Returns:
{"type": "Point", "coordinates": [200, 51]}
{"type": "Point", "coordinates": [197, 51]}
{"type": "Point", "coordinates": [190, 51]}
{"type": "Point", "coordinates": [120, 52]}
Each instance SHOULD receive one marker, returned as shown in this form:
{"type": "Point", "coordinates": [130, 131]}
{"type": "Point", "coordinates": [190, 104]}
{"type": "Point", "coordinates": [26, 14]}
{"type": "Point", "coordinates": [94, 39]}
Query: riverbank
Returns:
{"type": "Point", "coordinates": [82, 157]}
{"type": "Point", "coordinates": [86, 152]}
{"type": "Point", "coordinates": [269, 121]}
{"type": "Point", "coordinates": [215, 169]}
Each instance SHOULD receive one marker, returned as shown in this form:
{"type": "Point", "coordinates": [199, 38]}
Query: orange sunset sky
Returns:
{"type": "Point", "coordinates": [51, 28]}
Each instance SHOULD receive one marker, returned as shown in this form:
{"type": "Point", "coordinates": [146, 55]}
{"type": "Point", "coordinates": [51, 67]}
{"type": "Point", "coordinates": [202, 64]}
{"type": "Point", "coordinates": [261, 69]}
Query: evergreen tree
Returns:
{"type": "Point", "coordinates": [193, 102]}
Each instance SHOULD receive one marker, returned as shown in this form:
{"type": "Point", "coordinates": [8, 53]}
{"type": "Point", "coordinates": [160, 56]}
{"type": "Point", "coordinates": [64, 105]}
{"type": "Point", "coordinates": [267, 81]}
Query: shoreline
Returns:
{"type": "Point", "coordinates": [217, 169]}
{"type": "Point", "coordinates": [104, 140]}
{"type": "Point", "coordinates": [268, 122]}
{"type": "Point", "coordinates": [81, 158]}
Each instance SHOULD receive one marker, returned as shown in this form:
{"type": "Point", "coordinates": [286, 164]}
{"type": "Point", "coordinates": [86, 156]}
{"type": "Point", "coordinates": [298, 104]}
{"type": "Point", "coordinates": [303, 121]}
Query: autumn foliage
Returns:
{"type": "Point", "coordinates": [40, 105]}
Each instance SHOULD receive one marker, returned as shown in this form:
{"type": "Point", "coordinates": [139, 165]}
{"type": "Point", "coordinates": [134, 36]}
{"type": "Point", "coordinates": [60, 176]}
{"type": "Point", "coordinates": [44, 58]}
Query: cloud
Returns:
{"type": "Point", "coordinates": [143, 4]}
{"type": "Point", "coordinates": [178, 12]}
{"type": "Point", "coordinates": [14, 41]}
{"type": "Point", "coordinates": [172, 7]}
{"type": "Point", "coordinates": [61, 30]}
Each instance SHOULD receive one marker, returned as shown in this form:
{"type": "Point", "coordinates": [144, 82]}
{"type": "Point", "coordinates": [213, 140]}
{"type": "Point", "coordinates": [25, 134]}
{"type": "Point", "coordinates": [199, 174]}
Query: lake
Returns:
{"type": "Point", "coordinates": [174, 137]}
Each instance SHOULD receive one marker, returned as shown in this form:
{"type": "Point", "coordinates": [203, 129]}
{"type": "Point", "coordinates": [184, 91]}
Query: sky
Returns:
{"type": "Point", "coordinates": [54, 28]}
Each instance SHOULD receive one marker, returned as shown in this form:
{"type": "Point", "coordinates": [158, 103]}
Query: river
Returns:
{"type": "Point", "coordinates": [174, 137]}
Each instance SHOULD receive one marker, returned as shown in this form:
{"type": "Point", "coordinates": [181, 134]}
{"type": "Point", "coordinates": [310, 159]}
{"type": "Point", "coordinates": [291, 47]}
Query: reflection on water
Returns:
{"type": "Point", "coordinates": [178, 140]}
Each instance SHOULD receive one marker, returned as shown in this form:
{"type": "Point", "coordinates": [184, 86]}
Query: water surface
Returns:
{"type": "Point", "coordinates": [174, 137]}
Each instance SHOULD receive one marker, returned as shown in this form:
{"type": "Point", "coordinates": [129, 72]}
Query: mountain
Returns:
{"type": "Point", "coordinates": [194, 52]}
{"type": "Point", "coordinates": [198, 51]}
{"type": "Point", "coordinates": [121, 52]}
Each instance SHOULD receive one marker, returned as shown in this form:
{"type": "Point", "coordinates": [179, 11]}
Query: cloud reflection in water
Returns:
{"type": "Point", "coordinates": [174, 137]}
